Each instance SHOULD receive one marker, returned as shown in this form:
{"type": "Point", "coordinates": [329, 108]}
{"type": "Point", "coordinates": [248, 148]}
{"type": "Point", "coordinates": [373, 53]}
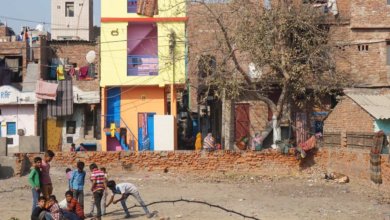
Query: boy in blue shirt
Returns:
{"type": "Point", "coordinates": [77, 183]}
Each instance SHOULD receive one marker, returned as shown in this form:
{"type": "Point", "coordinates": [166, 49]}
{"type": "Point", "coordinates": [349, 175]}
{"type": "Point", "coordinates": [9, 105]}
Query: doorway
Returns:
{"type": "Point", "coordinates": [146, 131]}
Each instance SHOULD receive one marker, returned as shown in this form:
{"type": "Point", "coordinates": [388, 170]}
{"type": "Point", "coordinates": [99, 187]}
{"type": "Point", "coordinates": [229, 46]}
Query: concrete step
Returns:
{"type": "Point", "coordinates": [7, 166]}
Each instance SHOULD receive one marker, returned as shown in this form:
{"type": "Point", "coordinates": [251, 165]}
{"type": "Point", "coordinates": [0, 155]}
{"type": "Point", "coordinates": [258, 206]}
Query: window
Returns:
{"type": "Point", "coordinates": [207, 65]}
{"type": "Point", "coordinates": [11, 128]}
{"type": "Point", "coordinates": [362, 47]}
{"type": "Point", "coordinates": [13, 68]}
{"type": "Point", "coordinates": [388, 53]}
{"type": "Point", "coordinates": [131, 6]}
{"type": "Point", "coordinates": [69, 9]}
{"type": "Point", "coordinates": [388, 2]}
{"type": "Point", "coordinates": [70, 127]}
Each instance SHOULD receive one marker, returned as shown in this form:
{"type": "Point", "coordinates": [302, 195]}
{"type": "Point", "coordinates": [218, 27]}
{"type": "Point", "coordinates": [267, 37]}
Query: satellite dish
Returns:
{"type": "Point", "coordinates": [40, 28]}
{"type": "Point", "coordinates": [91, 56]}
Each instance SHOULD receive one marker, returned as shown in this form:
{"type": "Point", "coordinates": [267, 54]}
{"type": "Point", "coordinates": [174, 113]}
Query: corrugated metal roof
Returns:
{"type": "Point", "coordinates": [376, 105]}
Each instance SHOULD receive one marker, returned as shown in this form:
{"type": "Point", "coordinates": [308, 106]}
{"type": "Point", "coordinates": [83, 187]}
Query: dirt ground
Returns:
{"type": "Point", "coordinates": [260, 196]}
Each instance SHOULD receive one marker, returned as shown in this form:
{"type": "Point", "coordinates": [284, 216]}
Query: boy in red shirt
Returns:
{"type": "Point", "coordinates": [74, 209]}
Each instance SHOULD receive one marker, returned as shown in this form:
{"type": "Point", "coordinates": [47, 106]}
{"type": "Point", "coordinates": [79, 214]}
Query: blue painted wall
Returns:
{"type": "Point", "coordinates": [113, 106]}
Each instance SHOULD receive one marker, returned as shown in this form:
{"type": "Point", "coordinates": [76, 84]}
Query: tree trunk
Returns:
{"type": "Point", "coordinates": [227, 138]}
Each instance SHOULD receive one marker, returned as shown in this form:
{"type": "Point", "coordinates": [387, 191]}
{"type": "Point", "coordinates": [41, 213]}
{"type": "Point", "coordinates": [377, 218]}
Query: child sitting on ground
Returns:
{"type": "Point", "coordinates": [39, 212]}
{"type": "Point", "coordinates": [54, 208]}
{"type": "Point", "coordinates": [73, 211]}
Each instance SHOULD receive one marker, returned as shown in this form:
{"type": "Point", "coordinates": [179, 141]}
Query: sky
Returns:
{"type": "Point", "coordinates": [35, 11]}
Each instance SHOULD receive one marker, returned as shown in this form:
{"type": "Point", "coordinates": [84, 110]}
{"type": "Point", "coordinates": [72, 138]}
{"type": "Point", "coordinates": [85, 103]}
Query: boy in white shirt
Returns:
{"type": "Point", "coordinates": [125, 190]}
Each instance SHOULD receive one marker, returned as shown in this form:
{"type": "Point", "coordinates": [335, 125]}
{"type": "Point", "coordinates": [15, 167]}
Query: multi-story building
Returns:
{"type": "Point", "coordinates": [72, 20]}
{"type": "Point", "coordinates": [359, 32]}
{"type": "Point", "coordinates": [22, 62]}
{"type": "Point", "coordinates": [142, 68]}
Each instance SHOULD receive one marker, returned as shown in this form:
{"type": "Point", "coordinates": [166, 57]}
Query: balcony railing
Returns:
{"type": "Point", "coordinates": [131, 6]}
{"type": "Point", "coordinates": [142, 65]}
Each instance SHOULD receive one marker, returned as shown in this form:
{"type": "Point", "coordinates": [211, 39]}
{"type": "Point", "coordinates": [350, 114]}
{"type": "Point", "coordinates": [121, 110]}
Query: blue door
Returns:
{"type": "Point", "coordinates": [145, 131]}
{"type": "Point", "coordinates": [151, 129]}
{"type": "Point", "coordinates": [113, 107]}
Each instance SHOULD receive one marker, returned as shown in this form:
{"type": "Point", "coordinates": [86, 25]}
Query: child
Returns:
{"type": "Point", "coordinates": [33, 179]}
{"type": "Point", "coordinates": [98, 186]}
{"type": "Point", "coordinates": [77, 183]}
{"type": "Point", "coordinates": [104, 199]}
{"type": "Point", "coordinates": [126, 189]}
{"type": "Point", "coordinates": [54, 208]}
{"type": "Point", "coordinates": [73, 211]}
{"type": "Point", "coordinates": [46, 185]}
{"type": "Point", "coordinates": [39, 211]}
{"type": "Point", "coordinates": [68, 176]}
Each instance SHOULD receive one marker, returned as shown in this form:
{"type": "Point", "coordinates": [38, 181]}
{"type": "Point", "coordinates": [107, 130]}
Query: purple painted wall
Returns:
{"type": "Point", "coordinates": [113, 144]}
{"type": "Point", "coordinates": [142, 39]}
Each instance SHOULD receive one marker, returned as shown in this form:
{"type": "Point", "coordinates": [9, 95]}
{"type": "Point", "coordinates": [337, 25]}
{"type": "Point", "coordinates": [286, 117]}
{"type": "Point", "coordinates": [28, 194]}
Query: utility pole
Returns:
{"type": "Point", "coordinates": [172, 52]}
{"type": "Point", "coordinates": [172, 46]}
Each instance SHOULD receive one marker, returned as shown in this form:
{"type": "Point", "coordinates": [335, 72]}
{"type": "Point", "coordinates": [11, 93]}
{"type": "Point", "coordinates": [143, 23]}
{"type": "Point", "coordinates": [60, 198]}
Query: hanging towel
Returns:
{"type": "Point", "coordinates": [60, 72]}
{"type": "Point", "coordinates": [63, 104]}
{"type": "Point", "coordinates": [45, 90]}
{"type": "Point", "coordinates": [84, 72]}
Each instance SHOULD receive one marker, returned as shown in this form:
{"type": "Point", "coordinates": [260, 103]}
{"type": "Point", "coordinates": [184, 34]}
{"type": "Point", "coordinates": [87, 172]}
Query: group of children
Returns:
{"type": "Point", "coordinates": [46, 207]}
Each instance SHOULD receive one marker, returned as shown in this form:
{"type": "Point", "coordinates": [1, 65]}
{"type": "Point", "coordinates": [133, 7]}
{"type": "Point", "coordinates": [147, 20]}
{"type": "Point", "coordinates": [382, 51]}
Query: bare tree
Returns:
{"type": "Point", "coordinates": [287, 44]}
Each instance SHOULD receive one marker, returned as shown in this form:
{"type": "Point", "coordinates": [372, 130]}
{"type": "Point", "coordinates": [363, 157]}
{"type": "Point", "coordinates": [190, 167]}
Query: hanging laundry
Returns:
{"type": "Point", "coordinates": [45, 90]}
{"type": "Point", "coordinates": [375, 158]}
{"type": "Point", "coordinates": [63, 104]}
{"type": "Point", "coordinates": [72, 71]}
{"type": "Point", "coordinates": [91, 71]}
{"type": "Point", "coordinates": [60, 72]}
{"type": "Point", "coordinates": [83, 72]}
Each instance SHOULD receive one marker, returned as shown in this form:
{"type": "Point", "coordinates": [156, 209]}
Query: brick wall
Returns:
{"type": "Point", "coordinates": [16, 48]}
{"type": "Point", "coordinates": [3, 31]}
{"type": "Point", "coordinates": [373, 13]}
{"type": "Point", "coordinates": [179, 161]}
{"type": "Point", "coordinates": [74, 51]}
{"type": "Point", "coordinates": [352, 162]}
{"type": "Point", "coordinates": [347, 116]}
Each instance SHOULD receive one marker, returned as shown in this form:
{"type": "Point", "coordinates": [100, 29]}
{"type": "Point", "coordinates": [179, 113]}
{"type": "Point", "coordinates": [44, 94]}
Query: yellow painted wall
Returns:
{"type": "Point", "coordinates": [118, 9]}
{"type": "Point", "coordinates": [114, 48]}
{"type": "Point", "coordinates": [53, 134]}
{"type": "Point", "coordinates": [136, 100]}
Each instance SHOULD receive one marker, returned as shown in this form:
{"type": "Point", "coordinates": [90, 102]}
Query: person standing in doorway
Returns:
{"type": "Point", "coordinates": [72, 147]}
{"type": "Point", "coordinates": [198, 141]}
{"type": "Point", "coordinates": [46, 187]}
{"type": "Point", "coordinates": [209, 142]}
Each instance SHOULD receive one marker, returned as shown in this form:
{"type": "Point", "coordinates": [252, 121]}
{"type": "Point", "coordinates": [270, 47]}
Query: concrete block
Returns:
{"type": "Point", "coordinates": [7, 167]}
{"type": "Point", "coordinates": [29, 144]}
{"type": "Point", "coordinates": [3, 146]}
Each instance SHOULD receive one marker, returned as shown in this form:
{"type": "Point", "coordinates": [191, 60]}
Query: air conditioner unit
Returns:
{"type": "Point", "coordinates": [21, 132]}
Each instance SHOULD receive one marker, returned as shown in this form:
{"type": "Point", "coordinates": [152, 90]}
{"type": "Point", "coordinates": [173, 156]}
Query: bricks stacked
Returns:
{"type": "Point", "coordinates": [147, 7]}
